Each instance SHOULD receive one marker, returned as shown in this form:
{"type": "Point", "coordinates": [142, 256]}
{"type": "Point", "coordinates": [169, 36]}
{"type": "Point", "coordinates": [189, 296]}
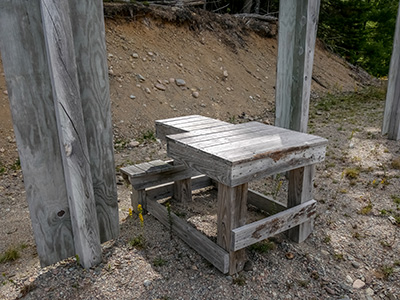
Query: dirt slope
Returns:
{"type": "Point", "coordinates": [232, 70]}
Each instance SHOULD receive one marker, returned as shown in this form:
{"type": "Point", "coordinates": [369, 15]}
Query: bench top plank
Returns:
{"type": "Point", "coordinates": [246, 150]}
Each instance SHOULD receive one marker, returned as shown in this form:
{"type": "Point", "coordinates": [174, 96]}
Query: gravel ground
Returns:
{"type": "Point", "coordinates": [352, 254]}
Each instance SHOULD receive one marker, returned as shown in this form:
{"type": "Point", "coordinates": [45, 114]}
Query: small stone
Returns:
{"type": "Point", "coordinates": [133, 144]}
{"type": "Point", "coordinates": [195, 94]}
{"type": "Point", "coordinates": [161, 87]}
{"type": "Point", "coordinates": [111, 72]}
{"type": "Point", "coordinates": [330, 291]}
{"type": "Point", "coordinates": [225, 73]}
{"type": "Point", "coordinates": [147, 90]}
{"type": "Point", "coordinates": [140, 77]}
{"type": "Point", "coordinates": [392, 220]}
{"type": "Point", "coordinates": [358, 284]}
{"type": "Point", "coordinates": [172, 80]}
{"type": "Point", "coordinates": [349, 279]}
{"type": "Point", "coordinates": [355, 264]}
{"type": "Point", "coordinates": [2, 150]}
{"type": "Point", "coordinates": [135, 55]}
{"type": "Point", "coordinates": [110, 55]}
{"type": "Point", "coordinates": [147, 283]}
{"type": "Point", "coordinates": [180, 82]}
{"type": "Point", "coordinates": [5, 92]}
{"type": "Point", "coordinates": [132, 96]}
{"type": "Point", "coordinates": [150, 53]}
{"type": "Point", "coordinates": [370, 292]}
{"type": "Point", "coordinates": [228, 89]}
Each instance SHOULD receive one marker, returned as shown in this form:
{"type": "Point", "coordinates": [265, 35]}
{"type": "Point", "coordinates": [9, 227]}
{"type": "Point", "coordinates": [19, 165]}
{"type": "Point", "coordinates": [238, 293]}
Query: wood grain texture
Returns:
{"type": "Point", "coordinates": [183, 190]}
{"type": "Point", "coordinates": [264, 202]}
{"type": "Point", "coordinates": [391, 117]}
{"type": "Point", "coordinates": [300, 190]}
{"type": "Point", "coordinates": [91, 59]}
{"type": "Point", "coordinates": [196, 240]}
{"type": "Point", "coordinates": [298, 21]}
{"type": "Point", "coordinates": [166, 190]}
{"type": "Point", "coordinates": [22, 47]}
{"type": "Point", "coordinates": [231, 214]}
{"type": "Point", "coordinates": [184, 124]}
{"type": "Point", "coordinates": [141, 177]}
{"type": "Point", "coordinates": [257, 231]}
{"type": "Point", "coordinates": [71, 129]}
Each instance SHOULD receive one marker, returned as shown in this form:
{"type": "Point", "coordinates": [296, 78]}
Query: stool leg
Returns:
{"type": "Point", "coordinates": [231, 214]}
{"type": "Point", "coordinates": [300, 191]}
{"type": "Point", "coordinates": [138, 197]}
{"type": "Point", "coordinates": [183, 190]}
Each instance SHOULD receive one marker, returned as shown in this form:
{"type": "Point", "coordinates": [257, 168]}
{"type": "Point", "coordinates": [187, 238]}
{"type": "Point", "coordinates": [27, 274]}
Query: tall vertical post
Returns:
{"type": "Point", "coordinates": [91, 60]}
{"type": "Point", "coordinates": [298, 22]}
{"type": "Point", "coordinates": [71, 129]}
{"type": "Point", "coordinates": [391, 118]}
{"type": "Point", "coordinates": [26, 71]}
{"type": "Point", "coordinates": [55, 65]}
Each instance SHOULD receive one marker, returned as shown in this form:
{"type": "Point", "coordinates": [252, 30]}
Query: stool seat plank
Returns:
{"type": "Point", "coordinates": [250, 152]}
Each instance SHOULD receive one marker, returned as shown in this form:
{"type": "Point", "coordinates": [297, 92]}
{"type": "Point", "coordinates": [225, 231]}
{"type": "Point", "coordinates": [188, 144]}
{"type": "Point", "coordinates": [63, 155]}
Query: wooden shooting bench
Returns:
{"type": "Point", "coordinates": [232, 156]}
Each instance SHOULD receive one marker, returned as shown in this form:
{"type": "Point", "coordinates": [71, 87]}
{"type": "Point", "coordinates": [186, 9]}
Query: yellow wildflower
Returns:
{"type": "Point", "coordinates": [130, 212]}
{"type": "Point", "coordinates": [374, 181]}
{"type": "Point", "coordinates": [141, 219]}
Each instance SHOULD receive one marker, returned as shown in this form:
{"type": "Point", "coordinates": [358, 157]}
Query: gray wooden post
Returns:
{"type": "Point", "coordinates": [91, 59]}
{"type": "Point", "coordinates": [66, 155]}
{"type": "Point", "coordinates": [26, 70]}
{"type": "Point", "coordinates": [391, 118]}
{"type": "Point", "coordinates": [71, 130]}
{"type": "Point", "coordinates": [298, 21]}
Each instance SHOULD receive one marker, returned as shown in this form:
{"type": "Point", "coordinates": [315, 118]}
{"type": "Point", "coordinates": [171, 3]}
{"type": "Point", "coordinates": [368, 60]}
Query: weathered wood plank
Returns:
{"type": "Point", "coordinates": [391, 117]}
{"type": "Point", "coordinates": [300, 191]}
{"type": "Point", "coordinates": [231, 214]}
{"type": "Point", "coordinates": [156, 176]}
{"type": "Point", "coordinates": [264, 202]}
{"type": "Point", "coordinates": [166, 190]}
{"type": "Point", "coordinates": [183, 190]}
{"type": "Point", "coordinates": [184, 124]}
{"type": "Point", "coordinates": [192, 237]}
{"type": "Point", "coordinates": [35, 127]}
{"type": "Point", "coordinates": [227, 137]}
{"type": "Point", "coordinates": [210, 133]}
{"type": "Point", "coordinates": [260, 230]}
{"type": "Point", "coordinates": [91, 58]}
{"type": "Point", "coordinates": [71, 129]}
{"type": "Point", "coordinates": [298, 22]}
{"type": "Point", "coordinates": [264, 167]}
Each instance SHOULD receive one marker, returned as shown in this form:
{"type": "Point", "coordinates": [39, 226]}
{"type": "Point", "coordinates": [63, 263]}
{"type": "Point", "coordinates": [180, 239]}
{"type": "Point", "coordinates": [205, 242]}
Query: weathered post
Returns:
{"type": "Point", "coordinates": [26, 70]}
{"type": "Point", "coordinates": [91, 60]}
{"type": "Point", "coordinates": [298, 21]}
{"type": "Point", "coordinates": [71, 130]}
{"type": "Point", "coordinates": [391, 118]}
{"type": "Point", "coordinates": [55, 64]}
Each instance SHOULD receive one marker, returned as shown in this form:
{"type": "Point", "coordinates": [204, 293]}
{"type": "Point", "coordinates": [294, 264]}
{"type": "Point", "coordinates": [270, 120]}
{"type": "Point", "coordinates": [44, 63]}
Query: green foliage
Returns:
{"type": "Point", "coordinates": [9, 255]}
{"type": "Point", "coordinates": [360, 31]}
{"type": "Point", "coordinates": [263, 247]}
{"type": "Point", "coordinates": [159, 262]}
{"type": "Point", "coordinates": [138, 242]}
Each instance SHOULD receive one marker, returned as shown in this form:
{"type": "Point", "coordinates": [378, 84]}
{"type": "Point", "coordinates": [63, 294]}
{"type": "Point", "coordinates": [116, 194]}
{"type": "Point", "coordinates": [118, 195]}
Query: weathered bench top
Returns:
{"type": "Point", "coordinates": [186, 124]}
{"type": "Point", "coordinates": [236, 154]}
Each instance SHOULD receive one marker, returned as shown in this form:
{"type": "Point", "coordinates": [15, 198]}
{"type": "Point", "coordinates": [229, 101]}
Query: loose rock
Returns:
{"type": "Point", "coordinates": [180, 82]}
{"type": "Point", "coordinates": [161, 87]}
{"type": "Point", "coordinates": [358, 284]}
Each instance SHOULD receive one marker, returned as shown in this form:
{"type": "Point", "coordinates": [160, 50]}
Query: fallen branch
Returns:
{"type": "Point", "coordinates": [267, 18]}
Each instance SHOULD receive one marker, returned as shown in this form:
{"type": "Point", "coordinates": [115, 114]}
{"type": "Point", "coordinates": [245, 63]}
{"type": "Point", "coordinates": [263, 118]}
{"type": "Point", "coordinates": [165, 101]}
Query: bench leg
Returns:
{"type": "Point", "coordinates": [138, 197]}
{"type": "Point", "coordinates": [183, 190]}
{"type": "Point", "coordinates": [300, 191]}
{"type": "Point", "coordinates": [231, 214]}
